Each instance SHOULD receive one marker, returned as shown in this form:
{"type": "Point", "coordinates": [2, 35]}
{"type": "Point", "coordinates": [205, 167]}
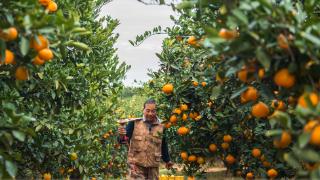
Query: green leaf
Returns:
{"type": "Point", "coordinates": [56, 82]}
{"type": "Point", "coordinates": [19, 135]}
{"type": "Point", "coordinates": [2, 49]}
{"type": "Point", "coordinates": [78, 45]}
{"type": "Point", "coordinates": [283, 118]}
{"type": "Point", "coordinates": [38, 128]}
{"type": "Point", "coordinates": [185, 5]}
{"type": "Point", "coordinates": [238, 14]}
{"type": "Point", "coordinates": [292, 161]}
{"type": "Point", "coordinates": [11, 168]}
{"type": "Point", "coordinates": [303, 139]}
{"type": "Point", "coordinates": [263, 58]}
{"type": "Point", "coordinates": [310, 155]}
{"type": "Point", "coordinates": [273, 132]}
{"type": "Point", "coordinates": [311, 38]}
{"type": "Point", "coordinates": [215, 92]}
{"type": "Point", "coordinates": [24, 46]}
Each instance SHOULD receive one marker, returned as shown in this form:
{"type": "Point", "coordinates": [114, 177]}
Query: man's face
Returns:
{"type": "Point", "coordinates": [150, 112]}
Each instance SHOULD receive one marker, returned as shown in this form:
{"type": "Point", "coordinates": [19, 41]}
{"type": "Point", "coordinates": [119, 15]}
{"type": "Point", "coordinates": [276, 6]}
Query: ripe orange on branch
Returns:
{"type": "Point", "coordinates": [167, 88]}
{"type": "Point", "coordinates": [43, 43]}
{"type": "Point", "coordinates": [227, 34]}
{"type": "Point", "coordinates": [22, 73]}
{"type": "Point", "coordinates": [9, 57]}
{"type": "Point", "coordinates": [284, 78]}
{"type": "Point", "coordinates": [9, 34]}
{"type": "Point", "coordinates": [260, 110]}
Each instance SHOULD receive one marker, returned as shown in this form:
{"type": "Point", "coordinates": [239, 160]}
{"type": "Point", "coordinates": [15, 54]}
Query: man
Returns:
{"type": "Point", "coordinates": [147, 144]}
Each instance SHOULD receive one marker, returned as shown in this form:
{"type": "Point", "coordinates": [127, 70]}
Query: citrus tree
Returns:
{"type": "Point", "coordinates": [242, 75]}
{"type": "Point", "coordinates": [59, 80]}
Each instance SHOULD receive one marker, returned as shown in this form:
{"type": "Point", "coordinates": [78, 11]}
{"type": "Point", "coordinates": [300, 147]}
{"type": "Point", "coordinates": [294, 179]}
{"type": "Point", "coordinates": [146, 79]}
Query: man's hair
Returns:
{"type": "Point", "coordinates": [149, 101]}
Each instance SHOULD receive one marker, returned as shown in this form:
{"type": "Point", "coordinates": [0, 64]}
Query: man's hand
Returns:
{"type": "Point", "coordinates": [169, 165]}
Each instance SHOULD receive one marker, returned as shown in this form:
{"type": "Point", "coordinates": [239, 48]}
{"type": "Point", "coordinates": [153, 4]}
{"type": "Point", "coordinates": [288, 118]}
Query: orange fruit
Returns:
{"type": "Point", "coordinates": [249, 175]}
{"type": "Point", "coordinates": [184, 117]}
{"type": "Point", "coordinates": [22, 73]}
{"type": "Point", "coordinates": [282, 41]}
{"type": "Point", "coordinates": [38, 61]}
{"type": "Point", "coordinates": [243, 75]}
{"type": "Point", "coordinates": [227, 34]}
{"type": "Point", "coordinates": [106, 135]}
{"type": "Point", "coordinates": [212, 148]}
{"type": "Point", "coordinates": [284, 141]}
{"type": "Point", "coordinates": [44, 2]}
{"type": "Point", "coordinates": [200, 160]}
{"type": "Point", "coordinates": [52, 6]}
{"type": "Point", "coordinates": [47, 176]}
{"type": "Point", "coordinates": [272, 173]}
{"type": "Point", "coordinates": [195, 83]}
{"type": "Point", "coordinates": [284, 78]}
{"type": "Point", "coordinates": [266, 164]}
{"type": "Point", "coordinates": [183, 107]}
{"type": "Point", "coordinates": [192, 40]}
{"type": "Point", "coordinates": [203, 84]}
{"type": "Point", "coordinates": [184, 155]}
{"type": "Point", "coordinates": [227, 138]}
{"type": "Point", "coordinates": [197, 118]}
{"type": "Point", "coordinates": [315, 136]}
{"type": "Point", "coordinates": [9, 57]}
{"type": "Point", "coordinates": [43, 43]}
{"type": "Point", "coordinates": [313, 97]}
{"type": "Point", "coordinates": [10, 34]}
{"type": "Point", "coordinates": [177, 111]}
{"type": "Point", "coordinates": [230, 159]}
{"type": "Point", "coordinates": [251, 94]}
{"type": "Point", "coordinates": [167, 89]}
{"type": "Point", "coordinates": [70, 170]}
{"type": "Point", "coordinates": [173, 118]}
{"type": "Point", "coordinates": [311, 166]}
{"type": "Point", "coordinates": [260, 110]}
{"type": "Point", "coordinates": [93, 178]}
{"type": "Point", "coordinates": [192, 158]}
{"type": "Point", "coordinates": [168, 125]}
{"type": "Point", "coordinates": [310, 125]}
{"type": "Point", "coordinates": [61, 171]}
{"type": "Point", "coordinates": [225, 145]}
{"type": "Point", "coordinates": [73, 156]}
{"type": "Point", "coordinates": [45, 54]}
{"type": "Point", "coordinates": [182, 131]}
{"type": "Point", "coordinates": [195, 114]}
{"type": "Point", "coordinates": [261, 73]}
{"type": "Point", "coordinates": [278, 105]}
{"type": "Point", "coordinates": [256, 152]}
{"type": "Point", "coordinates": [191, 115]}
{"type": "Point", "coordinates": [191, 178]}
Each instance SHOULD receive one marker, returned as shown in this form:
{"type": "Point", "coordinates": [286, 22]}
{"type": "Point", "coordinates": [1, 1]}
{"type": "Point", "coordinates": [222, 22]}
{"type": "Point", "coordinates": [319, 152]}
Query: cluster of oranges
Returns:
{"type": "Point", "coordinates": [11, 34]}
{"type": "Point", "coordinates": [50, 5]}
{"type": "Point", "coordinates": [107, 134]}
{"type": "Point", "coordinates": [192, 158]}
{"type": "Point", "coordinates": [39, 43]}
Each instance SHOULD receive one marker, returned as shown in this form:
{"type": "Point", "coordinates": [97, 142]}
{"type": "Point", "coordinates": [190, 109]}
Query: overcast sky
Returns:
{"type": "Point", "coordinates": [135, 18]}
